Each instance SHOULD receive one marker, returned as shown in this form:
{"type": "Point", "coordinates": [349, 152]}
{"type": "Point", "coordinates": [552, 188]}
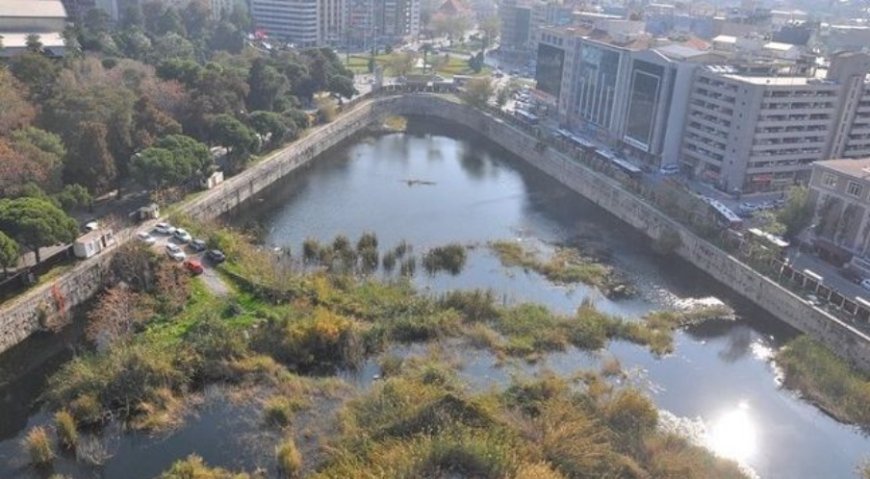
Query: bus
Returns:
{"type": "Point", "coordinates": [726, 217]}
{"type": "Point", "coordinates": [575, 140]}
{"type": "Point", "coordinates": [620, 164]}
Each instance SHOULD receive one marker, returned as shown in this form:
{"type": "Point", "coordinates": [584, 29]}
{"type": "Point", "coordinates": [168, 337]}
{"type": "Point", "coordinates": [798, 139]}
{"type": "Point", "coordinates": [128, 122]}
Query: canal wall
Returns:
{"type": "Point", "coordinates": [611, 196]}
{"type": "Point", "coordinates": [45, 306]}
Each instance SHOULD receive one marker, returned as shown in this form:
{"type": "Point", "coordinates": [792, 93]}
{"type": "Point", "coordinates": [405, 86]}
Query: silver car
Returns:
{"type": "Point", "coordinates": [174, 251]}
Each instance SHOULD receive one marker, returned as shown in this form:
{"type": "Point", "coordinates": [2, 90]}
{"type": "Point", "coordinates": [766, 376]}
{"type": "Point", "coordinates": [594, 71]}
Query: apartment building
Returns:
{"type": "Point", "coordinates": [840, 191]}
{"type": "Point", "coordinates": [293, 21]}
{"type": "Point", "coordinates": [752, 133]}
{"type": "Point", "coordinates": [521, 24]}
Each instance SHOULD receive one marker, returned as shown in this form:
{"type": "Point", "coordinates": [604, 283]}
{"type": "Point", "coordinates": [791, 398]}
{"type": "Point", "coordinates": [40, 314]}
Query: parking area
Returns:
{"type": "Point", "coordinates": [189, 251]}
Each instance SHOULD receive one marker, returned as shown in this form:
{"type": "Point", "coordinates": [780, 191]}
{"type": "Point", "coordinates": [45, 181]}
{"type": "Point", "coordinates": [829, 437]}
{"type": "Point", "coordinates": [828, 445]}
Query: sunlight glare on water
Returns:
{"type": "Point", "coordinates": [732, 435]}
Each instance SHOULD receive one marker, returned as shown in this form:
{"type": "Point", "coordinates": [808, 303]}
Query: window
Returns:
{"type": "Point", "coordinates": [829, 180]}
{"type": "Point", "coordinates": [854, 189]}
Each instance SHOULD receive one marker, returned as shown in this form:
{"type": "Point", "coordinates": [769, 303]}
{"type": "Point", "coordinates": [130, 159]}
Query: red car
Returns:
{"type": "Point", "coordinates": [193, 266]}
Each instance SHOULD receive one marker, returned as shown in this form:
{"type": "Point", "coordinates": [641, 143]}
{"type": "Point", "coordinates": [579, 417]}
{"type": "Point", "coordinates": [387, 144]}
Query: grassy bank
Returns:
{"type": "Point", "coordinates": [564, 266]}
{"type": "Point", "coordinates": [827, 380]}
{"type": "Point", "coordinates": [286, 326]}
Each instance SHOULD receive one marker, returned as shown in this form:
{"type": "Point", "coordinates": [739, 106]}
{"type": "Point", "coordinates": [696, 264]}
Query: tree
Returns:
{"type": "Point", "coordinates": [273, 125]}
{"type": "Point", "coordinates": [31, 155]}
{"type": "Point", "coordinates": [266, 84]}
{"type": "Point", "coordinates": [92, 165]}
{"type": "Point", "coordinates": [227, 37]}
{"type": "Point", "coordinates": [37, 72]}
{"type": "Point", "coordinates": [15, 111]}
{"type": "Point", "coordinates": [235, 136]}
{"type": "Point", "coordinates": [477, 91]}
{"type": "Point", "coordinates": [150, 123]}
{"type": "Point", "coordinates": [9, 252]}
{"type": "Point", "coordinates": [35, 223]}
{"type": "Point", "coordinates": [502, 97]}
{"type": "Point", "coordinates": [171, 161]}
{"type": "Point", "coordinates": [797, 213]}
{"type": "Point", "coordinates": [74, 196]}
{"type": "Point", "coordinates": [766, 221]}
{"type": "Point", "coordinates": [342, 86]}
{"type": "Point", "coordinates": [401, 63]}
{"type": "Point", "coordinates": [172, 45]}
{"type": "Point", "coordinates": [33, 43]}
{"type": "Point", "coordinates": [476, 62]}
{"type": "Point", "coordinates": [426, 49]}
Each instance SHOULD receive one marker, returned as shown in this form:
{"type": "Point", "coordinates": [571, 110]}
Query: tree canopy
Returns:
{"type": "Point", "coordinates": [35, 223]}
{"type": "Point", "coordinates": [172, 160]}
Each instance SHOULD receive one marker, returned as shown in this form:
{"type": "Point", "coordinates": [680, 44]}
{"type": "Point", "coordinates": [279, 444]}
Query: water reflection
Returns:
{"type": "Point", "coordinates": [733, 434]}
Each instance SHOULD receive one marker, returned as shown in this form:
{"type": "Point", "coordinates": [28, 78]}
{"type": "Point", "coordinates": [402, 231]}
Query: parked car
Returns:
{"type": "Point", "coordinates": [174, 251]}
{"type": "Point", "coordinates": [198, 245]}
{"type": "Point", "coordinates": [671, 169]}
{"type": "Point", "coordinates": [90, 226]}
{"type": "Point", "coordinates": [814, 300]}
{"type": "Point", "coordinates": [216, 256]}
{"type": "Point", "coordinates": [146, 237]}
{"type": "Point", "coordinates": [164, 228]}
{"type": "Point", "coordinates": [182, 235]}
{"type": "Point", "coordinates": [865, 283]}
{"type": "Point", "coordinates": [194, 266]}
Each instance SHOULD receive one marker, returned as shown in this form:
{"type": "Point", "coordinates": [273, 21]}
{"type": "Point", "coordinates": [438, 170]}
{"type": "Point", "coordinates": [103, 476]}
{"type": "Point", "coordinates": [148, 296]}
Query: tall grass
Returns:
{"type": "Point", "coordinates": [193, 468]}
{"type": "Point", "coordinates": [289, 459]}
{"type": "Point", "coordinates": [65, 427]}
{"type": "Point", "coordinates": [826, 379]}
{"type": "Point", "coordinates": [38, 445]}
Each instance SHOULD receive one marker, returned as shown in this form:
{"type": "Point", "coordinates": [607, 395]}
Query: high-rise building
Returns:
{"type": "Point", "coordinates": [754, 133]}
{"type": "Point", "coordinates": [332, 21]}
{"type": "Point", "coordinates": [379, 22]}
{"type": "Point", "coordinates": [293, 21]}
{"type": "Point", "coordinates": [21, 18]}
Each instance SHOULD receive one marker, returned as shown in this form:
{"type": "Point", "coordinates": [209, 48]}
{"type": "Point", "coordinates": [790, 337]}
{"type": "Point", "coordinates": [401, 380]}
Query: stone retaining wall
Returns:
{"type": "Point", "coordinates": [43, 306]}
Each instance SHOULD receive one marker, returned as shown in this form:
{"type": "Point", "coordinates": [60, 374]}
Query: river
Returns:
{"type": "Point", "coordinates": [719, 385]}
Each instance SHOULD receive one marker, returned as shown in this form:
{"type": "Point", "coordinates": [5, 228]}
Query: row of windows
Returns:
{"type": "Point", "coordinates": [829, 180]}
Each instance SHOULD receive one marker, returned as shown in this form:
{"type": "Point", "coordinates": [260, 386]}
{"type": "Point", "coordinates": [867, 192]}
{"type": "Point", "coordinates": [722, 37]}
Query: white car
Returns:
{"type": "Point", "coordinates": [164, 228]}
{"type": "Point", "coordinates": [175, 252]}
{"type": "Point", "coordinates": [146, 237]}
{"type": "Point", "coordinates": [182, 235]}
{"type": "Point", "coordinates": [865, 283]}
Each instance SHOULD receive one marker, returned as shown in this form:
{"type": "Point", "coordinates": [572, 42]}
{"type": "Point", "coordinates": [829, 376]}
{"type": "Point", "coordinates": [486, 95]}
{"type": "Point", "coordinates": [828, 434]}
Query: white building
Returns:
{"type": "Point", "coordinates": [21, 18]}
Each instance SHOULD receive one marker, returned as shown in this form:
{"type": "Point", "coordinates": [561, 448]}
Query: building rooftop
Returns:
{"type": "Point", "coordinates": [856, 168]}
{"type": "Point", "coordinates": [680, 52]}
{"type": "Point", "coordinates": [32, 8]}
{"type": "Point", "coordinates": [778, 46]}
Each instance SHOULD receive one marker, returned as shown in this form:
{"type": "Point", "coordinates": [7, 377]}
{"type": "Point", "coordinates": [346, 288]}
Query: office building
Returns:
{"type": "Point", "coordinates": [293, 21]}
{"type": "Point", "coordinates": [610, 85]}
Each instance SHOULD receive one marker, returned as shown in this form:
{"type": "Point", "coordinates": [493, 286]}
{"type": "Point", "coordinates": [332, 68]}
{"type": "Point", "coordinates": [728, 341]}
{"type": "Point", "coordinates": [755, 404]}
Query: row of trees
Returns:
{"type": "Point", "coordinates": [141, 102]}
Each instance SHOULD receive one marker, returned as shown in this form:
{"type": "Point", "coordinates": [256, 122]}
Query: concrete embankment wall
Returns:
{"type": "Point", "coordinates": [607, 193]}
{"type": "Point", "coordinates": [43, 306]}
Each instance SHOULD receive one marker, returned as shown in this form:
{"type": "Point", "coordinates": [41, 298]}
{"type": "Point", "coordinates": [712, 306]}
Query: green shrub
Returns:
{"type": "Point", "coordinates": [450, 258]}
{"type": "Point", "coordinates": [475, 305]}
{"type": "Point", "coordinates": [367, 241]}
{"type": "Point", "coordinates": [368, 259]}
{"type": "Point", "coordinates": [310, 250]}
{"type": "Point", "coordinates": [38, 446]}
{"type": "Point", "coordinates": [389, 261]}
{"type": "Point", "coordinates": [408, 266]}
{"type": "Point", "coordinates": [65, 425]}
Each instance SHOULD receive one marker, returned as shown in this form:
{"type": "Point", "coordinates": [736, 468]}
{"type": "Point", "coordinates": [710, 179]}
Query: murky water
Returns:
{"type": "Point", "coordinates": [719, 380]}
